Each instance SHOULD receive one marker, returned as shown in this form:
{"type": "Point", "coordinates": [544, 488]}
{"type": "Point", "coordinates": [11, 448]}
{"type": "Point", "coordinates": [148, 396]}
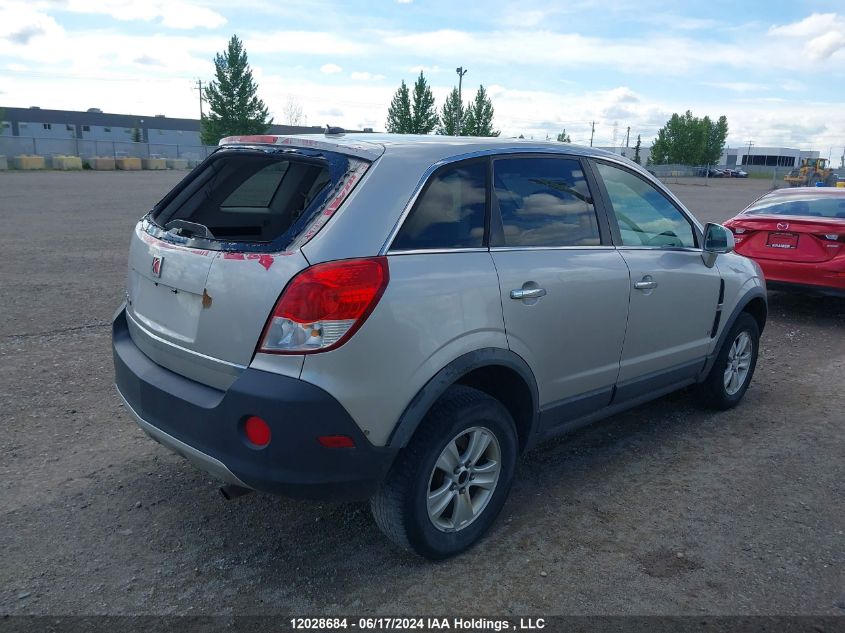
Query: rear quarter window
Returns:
{"type": "Point", "coordinates": [450, 212]}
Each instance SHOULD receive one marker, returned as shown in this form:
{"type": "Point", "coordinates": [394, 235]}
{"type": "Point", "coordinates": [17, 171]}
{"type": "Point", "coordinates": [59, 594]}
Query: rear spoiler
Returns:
{"type": "Point", "coordinates": [360, 149]}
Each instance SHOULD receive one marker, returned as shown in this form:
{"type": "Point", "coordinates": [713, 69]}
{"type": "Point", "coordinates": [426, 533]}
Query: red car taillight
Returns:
{"type": "Point", "coordinates": [324, 305]}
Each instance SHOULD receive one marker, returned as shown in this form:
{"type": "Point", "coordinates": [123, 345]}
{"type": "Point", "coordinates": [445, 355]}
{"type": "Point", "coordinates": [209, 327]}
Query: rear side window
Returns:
{"type": "Point", "coordinates": [545, 202]}
{"type": "Point", "coordinates": [450, 212]}
{"type": "Point", "coordinates": [645, 216]}
{"type": "Point", "coordinates": [248, 197]}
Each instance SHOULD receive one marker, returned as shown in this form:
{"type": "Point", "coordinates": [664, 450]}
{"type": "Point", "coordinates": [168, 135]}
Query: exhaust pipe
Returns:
{"type": "Point", "coordinates": [231, 491]}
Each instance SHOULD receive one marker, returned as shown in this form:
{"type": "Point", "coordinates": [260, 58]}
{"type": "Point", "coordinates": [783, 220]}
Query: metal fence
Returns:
{"type": "Point", "coordinates": [87, 148]}
{"type": "Point", "coordinates": [667, 172]}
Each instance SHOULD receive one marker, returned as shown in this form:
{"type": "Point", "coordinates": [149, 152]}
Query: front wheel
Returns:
{"type": "Point", "coordinates": [731, 373]}
{"type": "Point", "coordinates": [451, 481]}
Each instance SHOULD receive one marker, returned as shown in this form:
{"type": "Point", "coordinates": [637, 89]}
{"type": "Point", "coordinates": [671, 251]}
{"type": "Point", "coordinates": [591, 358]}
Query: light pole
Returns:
{"type": "Point", "coordinates": [461, 72]}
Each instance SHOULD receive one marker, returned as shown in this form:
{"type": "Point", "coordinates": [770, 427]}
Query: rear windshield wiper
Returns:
{"type": "Point", "coordinates": [184, 228]}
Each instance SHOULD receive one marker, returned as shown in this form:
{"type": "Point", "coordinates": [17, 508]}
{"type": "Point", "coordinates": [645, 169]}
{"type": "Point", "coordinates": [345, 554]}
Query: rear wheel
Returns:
{"type": "Point", "coordinates": [731, 374]}
{"type": "Point", "coordinates": [452, 479]}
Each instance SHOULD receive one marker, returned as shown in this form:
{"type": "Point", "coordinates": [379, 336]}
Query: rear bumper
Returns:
{"type": "Point", "coordinates": [823, 278]}
{"type": "Point", "coordinates": [204, 425]}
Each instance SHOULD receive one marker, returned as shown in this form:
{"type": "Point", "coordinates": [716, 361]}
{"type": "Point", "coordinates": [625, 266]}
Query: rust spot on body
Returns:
{"type": "Point", "coordinates": [206, 299]}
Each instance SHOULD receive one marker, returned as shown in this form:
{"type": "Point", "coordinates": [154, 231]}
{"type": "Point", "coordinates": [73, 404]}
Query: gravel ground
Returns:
{"type": "Point", "coordinates": [666, 509]}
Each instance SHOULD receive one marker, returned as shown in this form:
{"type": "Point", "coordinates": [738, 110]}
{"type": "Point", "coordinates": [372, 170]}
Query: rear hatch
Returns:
{"type": "Point", "coordinates": [787, 238]}
{"type": "Point", "coordinates": [208, 263]}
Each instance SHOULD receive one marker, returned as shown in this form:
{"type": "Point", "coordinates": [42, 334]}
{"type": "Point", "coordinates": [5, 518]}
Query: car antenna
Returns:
{"type": "Point", "coordinates": [334, 131]}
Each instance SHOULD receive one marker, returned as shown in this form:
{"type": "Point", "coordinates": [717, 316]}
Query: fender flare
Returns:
{"type": "Point", "coordinates": [420, 404]}
{"type": "Point", "coordinates": [756, 292]}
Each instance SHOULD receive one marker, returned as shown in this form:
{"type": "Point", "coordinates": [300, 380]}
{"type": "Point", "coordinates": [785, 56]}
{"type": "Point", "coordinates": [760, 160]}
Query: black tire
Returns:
{"type": "Point", "coordinates": [712, 392]}
{"type": "Point", "coordinates": [400, 506]}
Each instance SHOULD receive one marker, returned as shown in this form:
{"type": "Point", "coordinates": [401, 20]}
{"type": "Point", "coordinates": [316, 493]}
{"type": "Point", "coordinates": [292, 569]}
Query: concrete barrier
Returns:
{"type": "Point", "coordinates": [28, 162]}
{"type": "Point", "coordinates": [154, 163]}
{"type": "Point", "coordinates": [101, 163]}
{"type": "Point", "coordinates": [128, 163]}
{"type": "Point", "coordinates": [4, 164]}
{"type": "Point", "coordinates": [177, 163]}
{"type": "Point", "coordinates": [840, 184]}
{"type": "Point", "coordinates": [65, 163]}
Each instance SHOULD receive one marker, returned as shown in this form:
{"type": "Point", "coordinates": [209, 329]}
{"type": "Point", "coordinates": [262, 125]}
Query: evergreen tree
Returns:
{"type": "Point", "coordinates": [235, 108]}
{"type": "Point", "coordinates": [637, 150]}
{"type": "Point", "coordinates": [136, 135]}
{"type": "Point", "coordinates": [424, 117]}
{"type": "Point", "coordinates": [452, 114]}
{"type": "Point", "coordinates": [563, 137]}
{"type": "Point", "coordinates": [399, 112]}
{"type": "Point", "coordinates": [479, 116]}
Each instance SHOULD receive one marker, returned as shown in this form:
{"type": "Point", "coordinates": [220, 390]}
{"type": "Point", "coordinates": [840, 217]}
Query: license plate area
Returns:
{"type": "Point", "coordinates": [782, 240]}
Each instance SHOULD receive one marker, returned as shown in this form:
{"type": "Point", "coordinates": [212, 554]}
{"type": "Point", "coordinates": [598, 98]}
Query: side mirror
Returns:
{"type": "Point", "coordinates": [717, 239]}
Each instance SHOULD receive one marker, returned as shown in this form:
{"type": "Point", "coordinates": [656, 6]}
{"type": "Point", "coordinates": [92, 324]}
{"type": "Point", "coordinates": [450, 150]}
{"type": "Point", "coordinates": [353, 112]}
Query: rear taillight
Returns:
{"type": "Point", "coordinates": [324, 305]}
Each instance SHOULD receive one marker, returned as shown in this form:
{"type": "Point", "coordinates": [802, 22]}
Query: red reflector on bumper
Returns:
{"type": "Point", "coordinates": [336, 441]}
{"type": "Point", "coordinates": [257, 431]}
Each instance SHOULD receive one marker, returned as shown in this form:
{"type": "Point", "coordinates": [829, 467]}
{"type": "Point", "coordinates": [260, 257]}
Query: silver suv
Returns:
{"type": "Point", "coordinates": [397, 318]}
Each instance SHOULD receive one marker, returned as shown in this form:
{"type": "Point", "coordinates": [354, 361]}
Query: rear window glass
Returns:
{"type": "Point", "coordinates": [249, 197]}
{"type": "Point", "coordinates": [827, 206]}
{"type": "Point", "coordinates": [545, 202]}
{"type": "Point", "coordinates": [450, 212]}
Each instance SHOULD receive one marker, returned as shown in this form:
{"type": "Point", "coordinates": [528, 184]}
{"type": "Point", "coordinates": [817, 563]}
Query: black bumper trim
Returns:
{"type": "Point", "coordinates": [208, 420]}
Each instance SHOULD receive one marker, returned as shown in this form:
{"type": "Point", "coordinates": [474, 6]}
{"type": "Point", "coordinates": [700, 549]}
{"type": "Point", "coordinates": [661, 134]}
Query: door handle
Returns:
{"type": "Point", "coordinates": [528, 293]}
{"type": "Point", "coordinates": [647, 283]}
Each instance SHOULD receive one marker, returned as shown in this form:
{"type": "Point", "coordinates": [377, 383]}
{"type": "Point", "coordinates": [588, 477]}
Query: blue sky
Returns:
{"type": "Point", "coordinates": [775, 68]}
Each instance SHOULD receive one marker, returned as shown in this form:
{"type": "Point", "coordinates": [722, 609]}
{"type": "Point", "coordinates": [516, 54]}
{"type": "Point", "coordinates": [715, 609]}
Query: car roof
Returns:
{"type": "Point", "coordinates": [429, 147]}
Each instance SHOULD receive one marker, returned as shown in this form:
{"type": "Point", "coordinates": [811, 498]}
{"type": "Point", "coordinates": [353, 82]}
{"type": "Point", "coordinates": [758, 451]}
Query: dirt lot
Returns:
{"type": "Point", "coordinates": [664, 510]}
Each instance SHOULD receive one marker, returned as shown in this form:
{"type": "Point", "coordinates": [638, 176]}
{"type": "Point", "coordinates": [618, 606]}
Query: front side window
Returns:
{"type": "Point", "coordinates": [544, 202]}
{"type": "Point", "coordinates": [645, 216]}
{"type": "Point", "coordinates": [450, 211]}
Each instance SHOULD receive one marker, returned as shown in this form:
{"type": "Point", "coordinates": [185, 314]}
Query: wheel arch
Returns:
{"type": "Point", "coordinates": [500, 373]}
{"type": "Point", "coordinates": [754, 303]}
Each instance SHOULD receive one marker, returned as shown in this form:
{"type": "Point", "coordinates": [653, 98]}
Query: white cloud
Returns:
{"type": "Point", "coordinates": [174, 14]}
{"type": "Point", "coordinates": [330, 69]}
{"type": "Point", "coordinates": [737, 86]}
{"type": "Point", "coordinates": [823, 34]}
{"type": "Point", "coordinates": [324, 43]}
{"type": "Point", "coordinates": [364, 76]}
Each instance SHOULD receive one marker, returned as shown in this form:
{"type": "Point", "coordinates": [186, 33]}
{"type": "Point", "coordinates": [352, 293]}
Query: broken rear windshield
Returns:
{"type": "Point", "coordinates": [250, 199]}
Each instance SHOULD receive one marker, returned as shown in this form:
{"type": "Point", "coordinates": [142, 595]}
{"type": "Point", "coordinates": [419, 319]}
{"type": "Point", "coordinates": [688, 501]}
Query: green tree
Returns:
{"type": "Point", "coordinates": [452, 115]}
{"type": "Point", "coordinates": [399, 112]}
{"type": "Point", "coordinates": [637, 158]}
{"type": "Point", "coordinates": [563, 137]}
{"type": "Point", "coordinates": [136, 135]}
{"type": "Point", "coordinates": [479, 116]}
{"type": "Point", "coordinates": [424, 116]}
{"type": "Point", "coordinates": [688, 140]}
{"type": "Point", "coordinates": [235, 108]}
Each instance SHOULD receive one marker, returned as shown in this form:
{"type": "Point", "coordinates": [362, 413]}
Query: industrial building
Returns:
{"type": "Point", "coordinates": [94, 124]}
{"type": "Point", "coordinates": [94, 133]}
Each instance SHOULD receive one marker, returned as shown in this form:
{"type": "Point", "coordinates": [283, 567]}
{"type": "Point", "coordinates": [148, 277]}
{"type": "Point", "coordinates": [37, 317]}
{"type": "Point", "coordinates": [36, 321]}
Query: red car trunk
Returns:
{"type": "Point", "coordinates": [788, 238]}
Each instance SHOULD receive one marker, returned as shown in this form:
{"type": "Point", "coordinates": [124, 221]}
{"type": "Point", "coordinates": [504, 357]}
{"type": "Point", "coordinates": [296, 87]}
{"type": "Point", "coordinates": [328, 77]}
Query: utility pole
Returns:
{"type": "Point", "coordinates": [592, 132]}
{"type": "Point", "coordinates": [748, 155]}
{"type": "Point", "coordinates": [461, 72]}
{"type": "Point", "coordinates": [627, 137]}
{"type": "Point", "coordinates": [199, 87]}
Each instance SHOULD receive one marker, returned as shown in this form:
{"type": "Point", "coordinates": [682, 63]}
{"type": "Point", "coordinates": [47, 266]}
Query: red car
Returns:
{"type": "Point", "coordinates": [797, 236]}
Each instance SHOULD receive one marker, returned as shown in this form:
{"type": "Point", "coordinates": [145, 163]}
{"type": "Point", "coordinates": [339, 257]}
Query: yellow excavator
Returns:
{"type": "Point", "coordinates": [811, 171]}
